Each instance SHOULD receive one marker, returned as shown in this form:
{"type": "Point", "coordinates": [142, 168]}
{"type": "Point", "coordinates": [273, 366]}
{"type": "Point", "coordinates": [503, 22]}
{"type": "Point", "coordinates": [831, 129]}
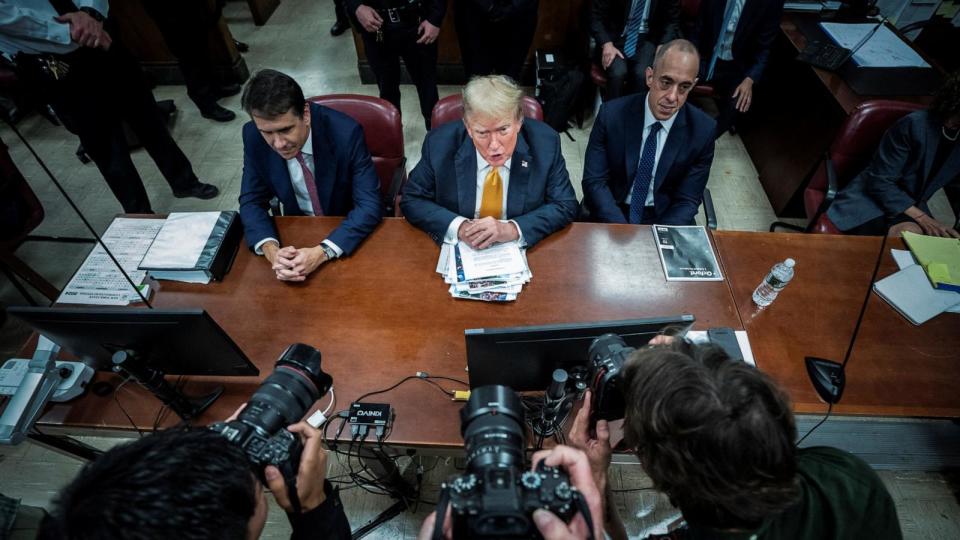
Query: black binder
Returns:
{"type": "Point", "coordinates": [214, 260]}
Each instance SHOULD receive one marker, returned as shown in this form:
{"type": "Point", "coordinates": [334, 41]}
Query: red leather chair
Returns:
{"type": "Point", "coordinates": [849, 153]}
{"type": "Point", "coordinates": [450, 108]}
{"type": "Point", "coordinates": [383, 133]}
{"type": "Point", "coordinates": [20, 213]}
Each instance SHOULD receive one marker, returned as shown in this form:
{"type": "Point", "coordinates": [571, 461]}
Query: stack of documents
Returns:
{"type": "Point", "coordinates": [911, 294]}
{"type": "Point", "coordinates": [495, 274]}
{"type": "Point", "coordinates": [939, 257]}
{"type": "Point", "coordinates": [194, 247]}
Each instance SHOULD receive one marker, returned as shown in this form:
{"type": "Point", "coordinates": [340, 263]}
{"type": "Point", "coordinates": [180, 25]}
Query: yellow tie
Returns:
{"type": "Point", "coordinates": [492, 202]}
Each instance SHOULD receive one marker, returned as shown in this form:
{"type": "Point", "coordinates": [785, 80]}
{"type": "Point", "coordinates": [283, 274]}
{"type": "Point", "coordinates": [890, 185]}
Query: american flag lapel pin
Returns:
{"type": "Point", "coordinates": [523, 163]}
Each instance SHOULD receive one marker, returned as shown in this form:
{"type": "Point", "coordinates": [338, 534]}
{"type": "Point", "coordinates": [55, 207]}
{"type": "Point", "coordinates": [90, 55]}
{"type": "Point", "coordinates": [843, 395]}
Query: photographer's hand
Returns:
{"type": "Point", "coordinates": [597, 448]}
{"type": "Point", "coordinates": [577, 465]}
{"type": "Point", "coordinates": [310, 475]}
{"type": "Point", "coordinates": [426, 530]}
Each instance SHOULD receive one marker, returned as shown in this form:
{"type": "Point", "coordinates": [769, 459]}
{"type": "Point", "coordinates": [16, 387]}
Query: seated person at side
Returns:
{"type": "Point", "coordinates": [649, 154]}
{"type": "Point", "coordinates": [192, 484]}
{"type": "Point", "coordinates": [495, 177]}
{"type": "Point", "coordinates": [918, 155]}
{"type": "Point", "coordinates": [718, 437]}
{"type": "Point", "coordinates": [315, 161]}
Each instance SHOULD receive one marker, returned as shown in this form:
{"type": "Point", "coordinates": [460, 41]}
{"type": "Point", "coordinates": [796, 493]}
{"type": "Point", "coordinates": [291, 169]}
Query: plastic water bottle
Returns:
{"type": "Point", "coordinates": [776, 280]}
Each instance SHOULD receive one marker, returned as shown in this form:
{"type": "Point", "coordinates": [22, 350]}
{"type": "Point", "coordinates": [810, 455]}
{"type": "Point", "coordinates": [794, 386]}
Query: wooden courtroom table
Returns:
{"type": "Point", "coordinates": [816, 313]}
{"type": "Point", "coordinates": [384, 313]}
{"type": "Point", "coordinates": [901, 369]}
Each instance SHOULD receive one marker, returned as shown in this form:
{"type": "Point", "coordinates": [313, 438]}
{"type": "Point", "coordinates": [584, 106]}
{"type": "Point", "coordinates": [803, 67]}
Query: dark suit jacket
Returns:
{"type": "Point", "coordinates": [346, 180]}
{"type": "Point", "coordinates": [758, 27]}
{"type": "Point", "coordinates": [443, 185]}
{"type": "Point", "coordinates": [608, 17]}
{"type": "Point", "coordinates": [613, 154]}
{"type": "Point", "coordinates": [899, 175]}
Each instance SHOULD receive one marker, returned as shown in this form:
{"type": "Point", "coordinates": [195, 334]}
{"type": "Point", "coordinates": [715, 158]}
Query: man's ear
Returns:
{"type": "Point", "coordinates": [649, 74]}
{"type": "Point", "coordinates": [306, 112]}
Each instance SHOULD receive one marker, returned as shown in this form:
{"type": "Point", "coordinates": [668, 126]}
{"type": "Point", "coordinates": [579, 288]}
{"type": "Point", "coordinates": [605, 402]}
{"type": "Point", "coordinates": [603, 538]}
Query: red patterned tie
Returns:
{"type": "Point", "coordinates": [311, 185]}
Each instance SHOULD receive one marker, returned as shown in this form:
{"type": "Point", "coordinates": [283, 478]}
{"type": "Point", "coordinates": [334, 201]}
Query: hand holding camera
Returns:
{"type": "Point", "coordinates": [310, 474]}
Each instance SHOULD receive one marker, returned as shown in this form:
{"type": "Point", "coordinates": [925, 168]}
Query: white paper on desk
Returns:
{"type": "Point", "coordinates": [904, 258]}
{"type": "Point", "coordinates": [883, 49]}
{"type": "Point", "coordinates": [909, 292]}
{"type": "Point", "coordinates": [700, 336]}
{"type": "Point", "coordinates": [98, 281]}
{"type": "Point", "coordinates": [180, 242]}
{"type": "Point", "coordinates": [496, 260]}
{"type": "Point", "coordinates": [444, 261]}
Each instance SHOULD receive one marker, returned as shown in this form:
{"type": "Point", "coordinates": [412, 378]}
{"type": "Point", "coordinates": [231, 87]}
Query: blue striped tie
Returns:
{"type": "Point", "coordinates": [641, 181]}
{"type": "Point", "coordinates": [632, 31]}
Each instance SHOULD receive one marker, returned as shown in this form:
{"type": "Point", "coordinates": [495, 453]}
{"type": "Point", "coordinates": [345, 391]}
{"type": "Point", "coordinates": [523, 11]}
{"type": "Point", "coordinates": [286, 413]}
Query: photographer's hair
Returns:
{"type": "Point", "coordinates": [715, 435]}
{"type": "Point", "coordinates": [494, 96]}
{"type": "Point", "coordinates": [270, 94]}
{"type": "Point", "coordinates": [946, 100]}
{"type": "Point", "coordinates": [174, 484]}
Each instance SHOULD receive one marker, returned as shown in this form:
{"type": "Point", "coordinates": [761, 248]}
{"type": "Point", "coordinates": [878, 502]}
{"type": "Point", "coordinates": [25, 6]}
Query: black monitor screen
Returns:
{"type": "Point", "coordinates": [524, 357]}
{"type": "Point", "coordinates": [177, 342]}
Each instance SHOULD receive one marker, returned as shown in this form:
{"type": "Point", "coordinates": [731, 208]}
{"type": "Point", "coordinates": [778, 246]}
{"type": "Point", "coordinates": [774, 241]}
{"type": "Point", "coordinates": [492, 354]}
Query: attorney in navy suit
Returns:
{"type": "Point", "coordinates": [315, 161]}
{"type": "Point", "coordinates": [649, 154]}
{"type": "Point", "coordinates": [495, 177]}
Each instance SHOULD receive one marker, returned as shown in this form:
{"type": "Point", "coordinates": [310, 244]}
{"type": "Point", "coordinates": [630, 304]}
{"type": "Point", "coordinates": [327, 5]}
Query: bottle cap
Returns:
{"type": "Point", "coordinates": [789, 263]}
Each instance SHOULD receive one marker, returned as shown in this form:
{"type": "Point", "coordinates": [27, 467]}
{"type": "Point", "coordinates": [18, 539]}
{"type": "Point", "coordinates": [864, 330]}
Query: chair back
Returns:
{"type": "Point", "coordinates": [854, 146]}
{"type": "Point", "coordinates": [20, 210]}
{"type": "Point", "coordinates": [450, 108]}
{"type": "Point", "coordinates": [383, 133]}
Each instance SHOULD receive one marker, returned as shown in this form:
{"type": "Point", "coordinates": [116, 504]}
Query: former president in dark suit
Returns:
{"type": "Point", "coordinates": [493, 178]}
{"type": "Point", "coordinates": [315, 161]}
{"type": "Point", "coordinates": [649, 154]}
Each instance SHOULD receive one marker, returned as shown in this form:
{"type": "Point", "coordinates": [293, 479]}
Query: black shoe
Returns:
{"type": "Point", "coordinates": [339, 27]}
{"type": "Point", "coordinates": [217, 113]}
{"type": "Point", "coordinates": [228, 90]}
{"type": "Point", "coordinates": [241, 46]}
{"type": "Point", "coordinates": [198, 190]}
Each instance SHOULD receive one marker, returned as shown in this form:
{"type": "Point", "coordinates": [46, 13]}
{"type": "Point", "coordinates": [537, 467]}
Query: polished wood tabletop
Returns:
{"type": "Point", "coordinates": [384, 313]}
{"type": "Point", "coordinates": [898, 368]}
{"type": "Point", "coordinates": [816, 313]}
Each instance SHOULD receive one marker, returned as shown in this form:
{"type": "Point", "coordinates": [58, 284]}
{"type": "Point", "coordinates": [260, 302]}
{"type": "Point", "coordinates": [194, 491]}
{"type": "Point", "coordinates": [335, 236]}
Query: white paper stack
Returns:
{"type": "Point", "coordinates": [911, 294]}
{"type": "Point", "coordinates": [495, 274]}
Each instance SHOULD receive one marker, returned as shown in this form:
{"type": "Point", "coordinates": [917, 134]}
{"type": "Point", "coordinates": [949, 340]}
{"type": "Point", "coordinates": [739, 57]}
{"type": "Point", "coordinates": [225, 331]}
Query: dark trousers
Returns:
{"type": "Point", "coordinates": [726, 78]}
{"type": "Point", "coordinates": [185, 25]}
{"type": "Point", "coordinates": [341, 11]}
{"type": "Point", "coordinates": [488, 46]}
{"type": "Point", "coordinates": [421, 61]}
{"type": "Point", "coordinates": [628, 76]}
{"type": "Point", "coordinates": [102, 90]}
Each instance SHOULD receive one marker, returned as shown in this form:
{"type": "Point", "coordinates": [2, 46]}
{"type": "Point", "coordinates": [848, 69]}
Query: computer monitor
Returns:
{"type": "Point", "coordinates": [175, 342]}
{"type": "Point", "coordinates": [524, 357]}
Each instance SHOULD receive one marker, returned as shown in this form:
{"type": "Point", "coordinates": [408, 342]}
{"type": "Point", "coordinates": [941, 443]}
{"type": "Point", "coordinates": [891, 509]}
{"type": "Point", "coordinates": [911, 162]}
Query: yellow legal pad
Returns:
{"type": "Point", "coordinates": [939, 257]}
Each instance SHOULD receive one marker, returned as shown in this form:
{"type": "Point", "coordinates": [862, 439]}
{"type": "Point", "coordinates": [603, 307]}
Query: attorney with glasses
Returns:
{"type": "Point", "coordinates": [495, 177]}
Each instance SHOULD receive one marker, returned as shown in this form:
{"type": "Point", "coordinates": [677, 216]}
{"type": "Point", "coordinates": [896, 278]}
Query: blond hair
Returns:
{"type": "Point", "coordinates": [494, 96]}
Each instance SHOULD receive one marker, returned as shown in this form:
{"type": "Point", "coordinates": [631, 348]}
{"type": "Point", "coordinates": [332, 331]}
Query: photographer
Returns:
{"type": "Point", "coordinates": [718, 437]}
{"type": "Point", "coordinates": [551, 527]}
{"type": "Point", "coordinates": [192, 484]}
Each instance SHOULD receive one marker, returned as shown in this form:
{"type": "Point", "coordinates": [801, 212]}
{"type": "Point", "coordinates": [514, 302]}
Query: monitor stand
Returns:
{"type": "Point", "coordinates": [130, 363]}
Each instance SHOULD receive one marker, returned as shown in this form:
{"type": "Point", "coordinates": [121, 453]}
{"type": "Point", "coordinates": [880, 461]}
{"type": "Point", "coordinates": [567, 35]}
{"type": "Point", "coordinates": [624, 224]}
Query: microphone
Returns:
{"type": "Point", "coordinates": [552, 402]}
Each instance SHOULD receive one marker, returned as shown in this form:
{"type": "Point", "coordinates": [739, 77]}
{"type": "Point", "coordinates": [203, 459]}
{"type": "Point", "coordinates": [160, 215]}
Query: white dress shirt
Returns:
{"type": "Point", "coordinates": [726, 34]}
{"type": "Point", "coordinates": [648, 120]}
{"type": "Point", "coordinates": [28, 26]}
{"type": "Point", "coordinates": [483, 168]}
{"type": "Point", "coordinates": [299, 183]}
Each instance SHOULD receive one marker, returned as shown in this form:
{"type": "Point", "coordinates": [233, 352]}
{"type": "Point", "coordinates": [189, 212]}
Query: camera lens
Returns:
{"type": "Point", "coordinates": [289, 392]}
{"type": "Point", "coordinates": [492, 427]}
{"type": "Point", "coordinates": [605, 346]}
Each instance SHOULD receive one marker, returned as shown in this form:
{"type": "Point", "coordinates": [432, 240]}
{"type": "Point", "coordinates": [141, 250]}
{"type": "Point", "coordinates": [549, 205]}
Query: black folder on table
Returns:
{"type": "Point", "coordinates": [194, 246]}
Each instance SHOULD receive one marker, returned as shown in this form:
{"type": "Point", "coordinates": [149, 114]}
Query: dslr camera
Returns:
{"type": "Point", "coordinates": [283, 399]}
{"type": "Point", "coordinates": [605, 360]}
{"type": "Point", "coordinates": [496, 495]}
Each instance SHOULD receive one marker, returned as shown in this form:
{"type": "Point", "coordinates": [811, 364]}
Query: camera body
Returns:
{"type": "Point", "coordinates": [282, 399]}
{"type": "Point", "coordinates": [496, 496]}
{"type": "Point", "coordinates": [605, 360]}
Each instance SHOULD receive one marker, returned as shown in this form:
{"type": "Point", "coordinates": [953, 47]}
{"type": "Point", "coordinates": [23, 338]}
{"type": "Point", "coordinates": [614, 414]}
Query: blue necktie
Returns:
{"type": "Point", "coordinates": [641, 181]}
{"type": "Point", "coordinates": [633, 28]}
{"type": "Point", "coordinates": [720, 37]}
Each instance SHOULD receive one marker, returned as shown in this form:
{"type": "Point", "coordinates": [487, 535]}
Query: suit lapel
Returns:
{"type": "Point", "coordinates": [519, 177]}
{"type": "Point", "coordinates": [671, 147]}
{"type": "Point", "coordinates": [324, 162]}
{"type": "Point", "coordinates": [931, 135]}
{"type": "Point", "coordinates": [950, 165]}
{"type": "Point", "coordinates": [633, 139]}
{"type": "Point", "coordinates": [465, 166]}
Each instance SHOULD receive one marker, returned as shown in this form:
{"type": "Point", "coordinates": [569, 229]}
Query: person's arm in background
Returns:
{"type": "Point", "coordinates": [34, 32]}
{"type": "Point", "coordinates": [765, 38]}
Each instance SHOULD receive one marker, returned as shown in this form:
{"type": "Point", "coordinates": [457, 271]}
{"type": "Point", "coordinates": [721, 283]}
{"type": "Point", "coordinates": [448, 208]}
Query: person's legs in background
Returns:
{"type": "Point", "coordinates": [342, 23]}
{"type": "Point", "coordinates": [384, 60]}
{"type": "Point", "coordinates": [421, 62]}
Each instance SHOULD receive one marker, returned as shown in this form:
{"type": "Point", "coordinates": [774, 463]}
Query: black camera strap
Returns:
{"type": "Point", "coordinates": [443, 502]}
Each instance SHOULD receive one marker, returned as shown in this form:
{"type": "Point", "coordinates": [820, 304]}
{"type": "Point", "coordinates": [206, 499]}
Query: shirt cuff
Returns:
{"type": "Point", "coordinates": [453, 229]}
{"type": "Point", "coordinates": [520, 240]}
{"type": "Point", "coordinates": [336, 249]}
{"type": "Point", "coordinates": [258, 247]}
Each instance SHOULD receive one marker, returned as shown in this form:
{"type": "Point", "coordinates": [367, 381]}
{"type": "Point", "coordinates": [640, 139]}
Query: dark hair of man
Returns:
{"type": "Point", "coordinates": [270, 94]}
{"type": "Point", "coordinates": [946, 101]}
{"type": "Point", "coordinates": [174, 484]}
{"type": "Point", "coordinates": [715, 435]}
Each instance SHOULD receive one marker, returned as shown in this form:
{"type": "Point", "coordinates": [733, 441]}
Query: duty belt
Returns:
{"type": "Point", "coordinates": [405, 15]}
